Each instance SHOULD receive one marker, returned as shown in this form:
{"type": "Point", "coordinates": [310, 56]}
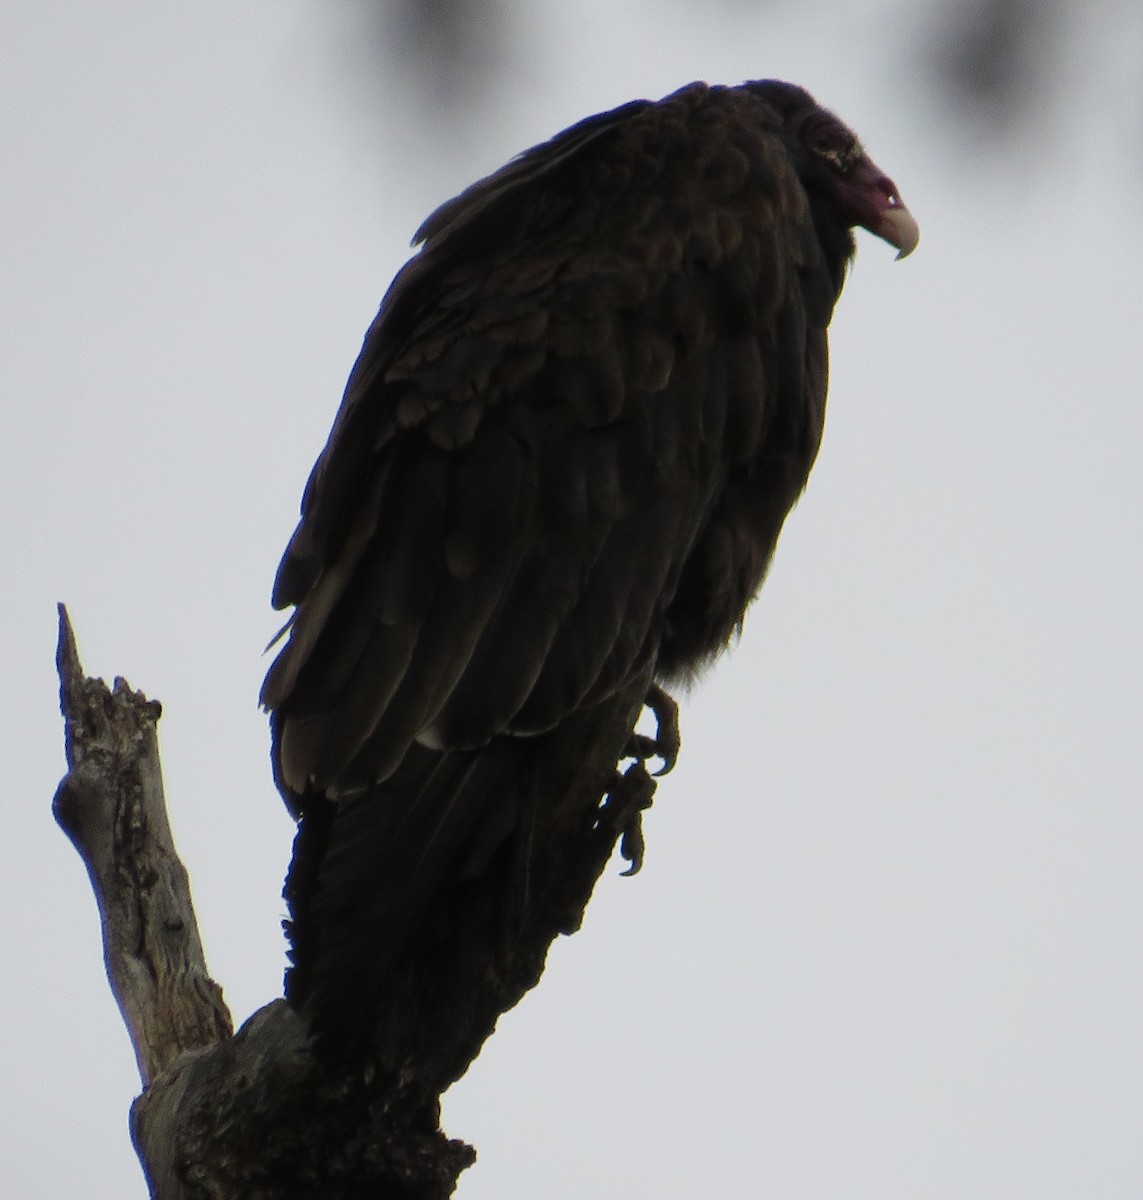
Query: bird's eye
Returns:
{"type": "Point", "coordinates": [840, 157]}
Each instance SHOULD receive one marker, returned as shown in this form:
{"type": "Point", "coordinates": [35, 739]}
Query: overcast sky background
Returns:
{"type": "Point", "coordinates": [887, 942]}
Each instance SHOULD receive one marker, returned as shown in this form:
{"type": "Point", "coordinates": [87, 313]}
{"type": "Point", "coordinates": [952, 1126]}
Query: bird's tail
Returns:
{"type": "Point", "coordinates": [388, 876]}
{"type": "Point", "coordinates": [424, 908]}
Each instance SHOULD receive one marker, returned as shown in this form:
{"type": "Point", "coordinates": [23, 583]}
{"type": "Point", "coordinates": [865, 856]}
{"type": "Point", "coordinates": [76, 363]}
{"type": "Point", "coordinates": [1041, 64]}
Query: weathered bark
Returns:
{"type": "Point", "coordinates": [111, 805]}
{"type": "Point", "coordinates": [255, 1114]}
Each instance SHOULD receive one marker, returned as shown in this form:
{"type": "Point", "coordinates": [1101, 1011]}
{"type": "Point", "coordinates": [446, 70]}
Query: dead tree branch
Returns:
{"type": "Point", "coordinates": [111, 805]}
{"type": "Point", "coordinates": [256, 1114]}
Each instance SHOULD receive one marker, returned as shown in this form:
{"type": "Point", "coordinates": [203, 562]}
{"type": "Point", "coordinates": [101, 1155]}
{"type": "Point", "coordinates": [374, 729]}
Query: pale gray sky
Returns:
{"type": "Point", "coordinates": [887, 941]}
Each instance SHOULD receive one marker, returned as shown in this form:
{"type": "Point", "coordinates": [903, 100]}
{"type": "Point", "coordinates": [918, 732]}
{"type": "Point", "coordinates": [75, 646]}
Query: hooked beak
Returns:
{"type": "Point", "coordinates": [871, 199]}
{"type": "Point", "coordinates": [898, 226]}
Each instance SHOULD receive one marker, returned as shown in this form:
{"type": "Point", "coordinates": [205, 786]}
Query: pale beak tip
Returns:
{"type": "Point", "coordinates": [899, 228]}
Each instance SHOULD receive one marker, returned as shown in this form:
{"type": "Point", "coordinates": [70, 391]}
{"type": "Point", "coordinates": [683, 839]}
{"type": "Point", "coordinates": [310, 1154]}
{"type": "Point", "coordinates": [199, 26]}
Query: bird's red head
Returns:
{"type": "Point", "coordinates": [834, 165]}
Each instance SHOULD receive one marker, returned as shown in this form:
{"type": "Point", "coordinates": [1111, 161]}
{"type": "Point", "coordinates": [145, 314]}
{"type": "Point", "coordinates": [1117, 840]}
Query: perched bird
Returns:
{"type": "Point", "coordinates": [559, 471]}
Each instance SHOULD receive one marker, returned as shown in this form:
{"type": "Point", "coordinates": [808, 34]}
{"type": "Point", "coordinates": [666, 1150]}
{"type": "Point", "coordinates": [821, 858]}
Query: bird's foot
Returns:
{"type": "Point", "coordinates": [632, 790]}
{"type": "Point", "coordinates": [629, 796]}
{"type": "Point", "coordinates": [665, 742]}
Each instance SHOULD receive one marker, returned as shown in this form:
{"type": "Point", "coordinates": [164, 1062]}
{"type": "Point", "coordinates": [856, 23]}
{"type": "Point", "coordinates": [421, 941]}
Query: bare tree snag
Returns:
{"type": "Point", "coordinates": [255, 1115]}
{"type": "Point", "coordinates": [111, 805]}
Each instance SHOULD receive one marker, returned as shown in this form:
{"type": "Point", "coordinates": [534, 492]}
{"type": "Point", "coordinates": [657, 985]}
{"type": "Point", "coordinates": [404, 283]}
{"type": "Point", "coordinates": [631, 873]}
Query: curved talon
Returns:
{"type": "Point", "coordinates": [632, 846]}
{"type": "Point", "coordinates": [667, 739]}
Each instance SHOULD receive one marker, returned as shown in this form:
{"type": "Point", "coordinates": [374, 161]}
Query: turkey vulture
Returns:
{"type": "Point", "coordinates": [559, 471]}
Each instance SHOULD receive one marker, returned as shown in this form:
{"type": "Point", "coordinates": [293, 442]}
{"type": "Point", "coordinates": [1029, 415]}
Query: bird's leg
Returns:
{"type": "Point", "coordinates": [632, 790]}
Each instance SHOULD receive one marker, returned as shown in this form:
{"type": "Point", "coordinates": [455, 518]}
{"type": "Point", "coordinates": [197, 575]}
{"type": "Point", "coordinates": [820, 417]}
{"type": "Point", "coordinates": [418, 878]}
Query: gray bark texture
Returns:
{"type": "Point", "coordinates": [254, 1114]}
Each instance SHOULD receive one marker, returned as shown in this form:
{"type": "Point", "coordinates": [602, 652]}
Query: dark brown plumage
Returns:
{"type": "Point", "coordinates": [560, 468]}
